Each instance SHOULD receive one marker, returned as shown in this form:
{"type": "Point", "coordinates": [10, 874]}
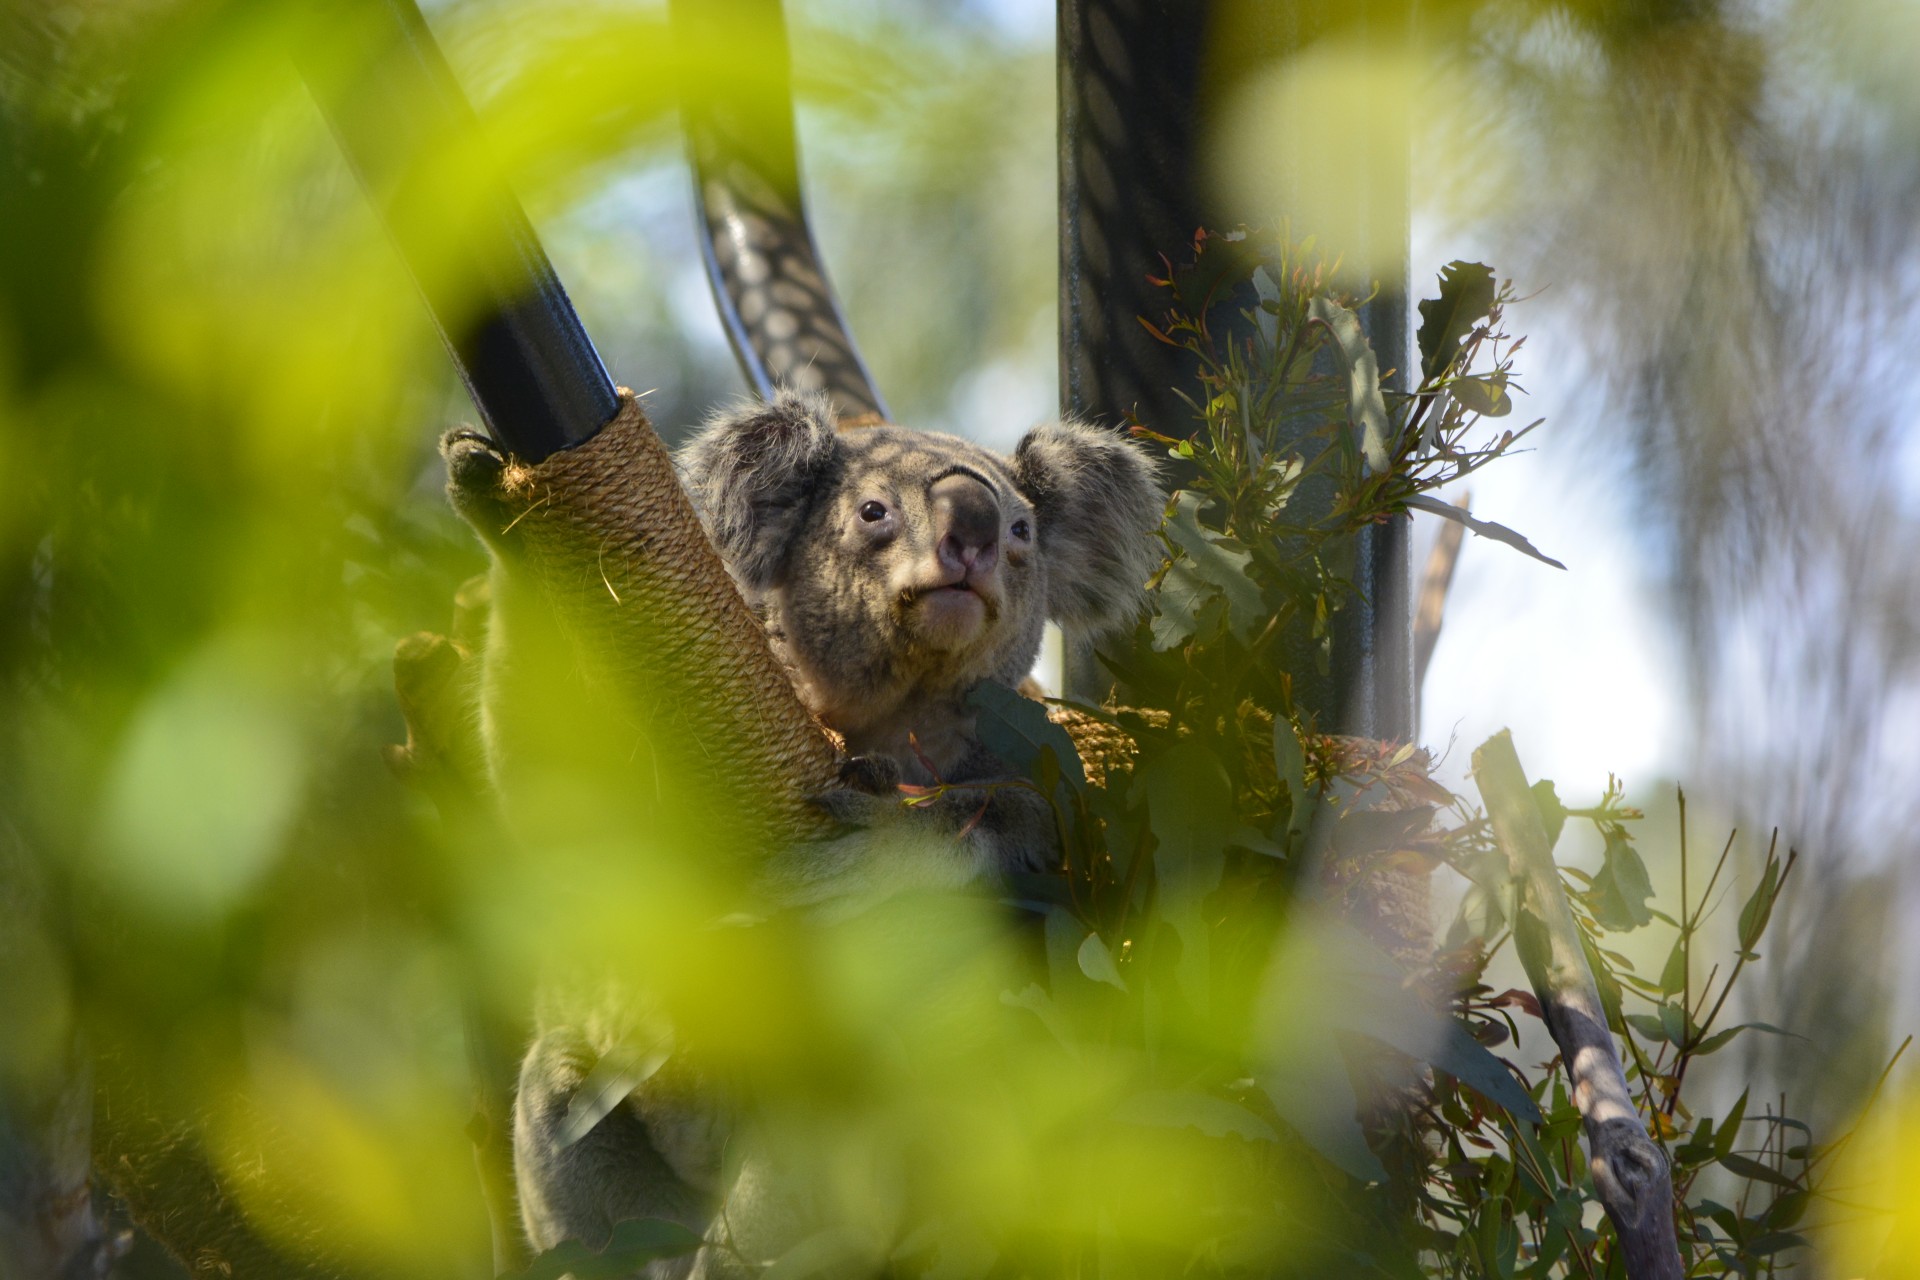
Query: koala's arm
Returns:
{"type": "Point", "coordinates": [942, 836]}
{"type": "Point", "coordinates": [656, 1154]}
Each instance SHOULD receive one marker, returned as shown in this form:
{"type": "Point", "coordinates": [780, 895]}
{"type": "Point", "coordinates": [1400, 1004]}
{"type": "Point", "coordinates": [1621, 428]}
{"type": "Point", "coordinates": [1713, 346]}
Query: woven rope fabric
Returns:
{"type": "Point", "coordinates": [612, 538]}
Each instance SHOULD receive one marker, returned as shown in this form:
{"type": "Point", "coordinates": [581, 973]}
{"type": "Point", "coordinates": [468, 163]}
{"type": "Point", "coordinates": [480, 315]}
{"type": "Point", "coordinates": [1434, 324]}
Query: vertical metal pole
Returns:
{"type": "Point", "coordinates": [1138, 80]}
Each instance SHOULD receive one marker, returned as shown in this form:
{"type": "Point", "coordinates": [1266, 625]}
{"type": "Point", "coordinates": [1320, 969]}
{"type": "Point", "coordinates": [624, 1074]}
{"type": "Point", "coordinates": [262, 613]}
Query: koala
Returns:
{"type": "Point", "coordinates": [894, 571]}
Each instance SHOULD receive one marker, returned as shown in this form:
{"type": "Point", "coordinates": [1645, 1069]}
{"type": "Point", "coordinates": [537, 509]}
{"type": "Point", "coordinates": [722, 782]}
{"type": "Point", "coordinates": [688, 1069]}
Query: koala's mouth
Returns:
{"type": "Point", "coordinates": [949, 614]}
{"type": "Point", "coordinates": [943, 590]}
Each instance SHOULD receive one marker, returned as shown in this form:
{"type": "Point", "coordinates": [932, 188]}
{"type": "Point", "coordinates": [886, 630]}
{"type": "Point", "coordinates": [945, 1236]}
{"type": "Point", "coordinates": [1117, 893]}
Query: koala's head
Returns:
{"type": "Point", "coordinates": [894, 564]}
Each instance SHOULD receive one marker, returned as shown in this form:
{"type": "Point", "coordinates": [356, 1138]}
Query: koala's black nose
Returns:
{"type": "Point", "coordinates": [966, 525]}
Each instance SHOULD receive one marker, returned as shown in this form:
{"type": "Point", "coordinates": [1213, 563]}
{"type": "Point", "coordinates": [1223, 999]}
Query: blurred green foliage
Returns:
{"type": "Point", "coordinates": [217, 395]}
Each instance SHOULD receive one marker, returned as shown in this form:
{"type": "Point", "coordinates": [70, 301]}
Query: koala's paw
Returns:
{"type": "Point", "coordinates": [853, 807]}
{"type": "Point", "coordinates": [474, 462]}
{"type": "Point", "coordinates": [875, 775]}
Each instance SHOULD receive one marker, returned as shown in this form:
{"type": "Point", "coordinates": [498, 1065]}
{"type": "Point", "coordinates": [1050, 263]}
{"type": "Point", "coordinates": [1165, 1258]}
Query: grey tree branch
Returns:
{"type": "Point", "coordinates": [1431, 606]}
{"type": "Point", "coordinates": [1630, 1171]}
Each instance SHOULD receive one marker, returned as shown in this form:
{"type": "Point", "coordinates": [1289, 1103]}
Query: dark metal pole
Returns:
{"type": "Point", "coordinates": [768, 282]}
{"type": "Point", "coordinates": [1138, 80]}
{"type": "Point", "coordinates": [533, 373]}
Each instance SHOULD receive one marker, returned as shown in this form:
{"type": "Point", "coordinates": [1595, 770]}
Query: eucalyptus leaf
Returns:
{"type": "Point", "coordinates": [1190, 798]}
{"type": "Point", "coordinates": [1190, 1109]}
{"type": "Point", "coordinates": [1096, 961]}
{"type": "Point", "coordinates": [1485, 528]}
{"type": "Point", "coordinates": [1366, 408]}
{"type": "Point", "coordinates": [1720, 1039]}
{"type": "Point", "coordinates": [1747, 1167]}
{"type": "Point", "coordinates": [1312, 1092]}
{"type": "Point", "coordinates": [1648, 1026]}
{"type": "Point", "coordinates": [1467, 293]}
{"type": "Point", "coordinates": [1485, 396]}
{"type": "Point", "coordinates": [1209, 557]}
{"type": "Point", "coordinates": [1016, 728]}
{"type": "Point", "coordinates": [1290, 761]}
{"type": "Point", "coordinates": [1553, 814]}
{"type": "Point", "coordinates": [828, 1254]}
{"type": "Point", "coordinates": [1673, 975]}
{"type": "Point", "coordinates": [1621, 891]}
{"type": "Point", "coordinates": [1758, 908]}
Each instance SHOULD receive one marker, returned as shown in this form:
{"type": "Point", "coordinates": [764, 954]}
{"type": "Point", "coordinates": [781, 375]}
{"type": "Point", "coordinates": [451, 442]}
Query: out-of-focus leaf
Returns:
{"type": "Point", "coordinates": [1188, 1109]}
{"type": "Point", "coordinates": [1190, 798]}
{"type": "Point", "coordinates": [1037, 1002]}
{"type": "Point", "coordinates": [1251, 840]}
{"type": "Point", "coordinates": [1016, 728]}
{"type": "Point", "coordinates": [1485, 528]}
{"type": "Point", "coordinates": [613, 1077]}
{"type": "Point", "coordinates": [1366, 409]}
{"type": "Point", "coordinates": [829, 1254]}
{"type": "Point", "coordinates": [1467, 291]}
{"type": "Point", "coordinates": [1096, 961]}
{"type": "Point", "coordinates": [961, 1249]}
{"type": "Point", "coordinates": [1312, 1092]}
{"type": "Point", "coordinates": [634, 1244]}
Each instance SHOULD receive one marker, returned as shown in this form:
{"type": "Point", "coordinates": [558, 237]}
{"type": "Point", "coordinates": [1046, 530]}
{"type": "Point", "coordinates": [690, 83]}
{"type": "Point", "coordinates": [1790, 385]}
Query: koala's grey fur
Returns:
{"type": "Point", "coordinates": [853, 607]}
{"type": "Point", "coordinates": [895, 571]}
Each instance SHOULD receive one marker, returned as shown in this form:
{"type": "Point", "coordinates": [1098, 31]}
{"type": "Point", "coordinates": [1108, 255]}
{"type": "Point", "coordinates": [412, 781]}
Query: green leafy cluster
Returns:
{"type": "Point", "coordinates": [1505, 1200]}
{"type": "Point", "coordinates": [1299, 441]}
{"type": "Point", "coordinates": [1227, 920]}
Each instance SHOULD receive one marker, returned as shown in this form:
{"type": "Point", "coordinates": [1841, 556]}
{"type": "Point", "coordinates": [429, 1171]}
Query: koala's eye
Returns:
{"type": "Point", "coordinates": [873, 512]}
{"type": "Point", "coordinates": [1022, 530]}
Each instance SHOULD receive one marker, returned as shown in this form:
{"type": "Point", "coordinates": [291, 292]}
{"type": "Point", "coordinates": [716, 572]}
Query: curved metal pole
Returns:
{"type": "Point", "coordinates": [768, 282]}
{"type": "Point", "coordinates": [519, 345]}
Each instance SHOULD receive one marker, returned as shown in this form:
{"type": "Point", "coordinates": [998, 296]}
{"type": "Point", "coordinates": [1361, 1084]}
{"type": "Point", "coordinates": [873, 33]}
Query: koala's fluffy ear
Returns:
{"type": "Point", "coordinates": [1099, 501]}
{"type": "Point", "coordinates": [753, 473]}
